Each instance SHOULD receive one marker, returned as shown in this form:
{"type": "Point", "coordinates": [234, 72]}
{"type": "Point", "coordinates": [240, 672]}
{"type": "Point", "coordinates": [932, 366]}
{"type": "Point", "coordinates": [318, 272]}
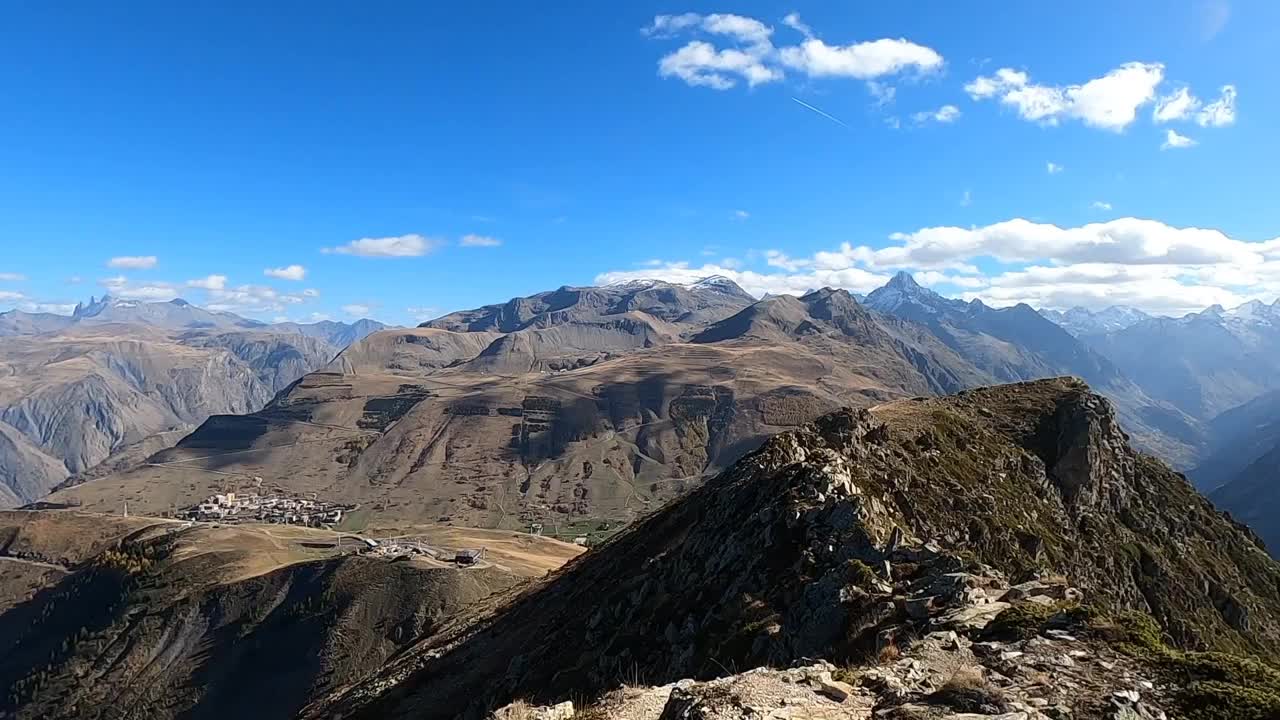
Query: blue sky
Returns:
{"type": "Point", "coordinates": [610, 141]}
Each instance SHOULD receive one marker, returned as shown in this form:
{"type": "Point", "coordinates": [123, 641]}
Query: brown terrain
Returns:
{"type": "Point", "coordinates": [167, 618]}
{"type": "Point", "coordinates": [579, 409]}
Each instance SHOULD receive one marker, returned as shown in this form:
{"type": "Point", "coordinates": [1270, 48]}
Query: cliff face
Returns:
{"type": "Point", "coordinates": [825, 541]}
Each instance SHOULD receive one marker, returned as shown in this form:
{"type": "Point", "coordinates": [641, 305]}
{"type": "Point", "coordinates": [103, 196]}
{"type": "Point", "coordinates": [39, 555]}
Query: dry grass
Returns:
{"type": "Point", "coordinates": [968, 691]}
{"type": "Point", "coordinates": [888, 654]}
{"type": "Point", "coordinates": [965, 677]}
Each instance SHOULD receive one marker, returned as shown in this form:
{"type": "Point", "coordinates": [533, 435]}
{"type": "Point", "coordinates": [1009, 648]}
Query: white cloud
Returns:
{"type": "Point", "coordinates": [1178, 105]}
{"type": "Point", "coordinates": [357, 310]}
{"type": "Point", "coordinates": [412, 245]}
{"type": "Point", "coordinates": [752, 57]}
{"type": "Point", "coordinates": [741, 214]}
{"type": "Point", "coordinates": [1140, 262]}
{"type": "Point", "coordinates": [1174, 140]}
{"type": "Point", "coordinates": [1220, 112]}
{"type": "Point", "coordinates": [120, 287]}
{"type": "Point", "coordinates": [212, 282]}
{"type": "Point", "coordinates": [318, 317]}
{"type": "Point", "coordinates": [252, 299]}
{"type": "Point", "coordinates": [793, 21]}
{"type": "Point", "coordinates": [12, 277]}
{"type": "Point", "coordinates": [944, 114]}
{"type": "Point", "coordinates": [311, 293]}
{"type": "Point", "coordinates": [668, 25]}
{"type": "Point", "coordinates": [1100, 205]}
{"type": "Point", "coordinates": [75, 280]}
{"type": "Point", "coordinates": [863, 61]}
{"type": "Point", "coordinates": [290, 272]}
{"type": "Point", "coordinates": [10, 296]}
{"type": "Point", "coordinates": [1109, 102]}
{"type": "Point", "coordinates": [966, 199]}
{"type": "Point", "coordinates": [701, 64]}
{"type": "Point", "coordinates": [479, 241]}
{"type": "Point", "coordinates": [133, 262]}
{"type": "Point", "coordinates": [1053, 168]}
{"type": "Point", "coordinates": [756, 283]}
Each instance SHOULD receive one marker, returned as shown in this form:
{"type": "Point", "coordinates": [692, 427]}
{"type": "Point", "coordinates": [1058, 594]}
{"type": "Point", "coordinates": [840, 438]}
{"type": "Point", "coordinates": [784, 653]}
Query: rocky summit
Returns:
{"type": "Point", "coordinates": [1001, 552]}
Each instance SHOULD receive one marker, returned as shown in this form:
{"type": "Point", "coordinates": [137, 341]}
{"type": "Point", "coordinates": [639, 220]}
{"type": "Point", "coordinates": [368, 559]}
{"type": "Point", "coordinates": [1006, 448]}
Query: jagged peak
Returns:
{"type": "Point", "coordinates": [903, 280]}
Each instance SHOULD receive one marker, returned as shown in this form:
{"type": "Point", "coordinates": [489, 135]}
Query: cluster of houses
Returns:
{"type": "Point", "coordinates": [233, 507]}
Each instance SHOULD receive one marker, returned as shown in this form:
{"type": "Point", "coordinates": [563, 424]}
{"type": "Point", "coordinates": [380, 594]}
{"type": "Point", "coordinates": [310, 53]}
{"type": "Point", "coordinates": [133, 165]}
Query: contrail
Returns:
{"type": "Point", "coordinates": [826, 115]}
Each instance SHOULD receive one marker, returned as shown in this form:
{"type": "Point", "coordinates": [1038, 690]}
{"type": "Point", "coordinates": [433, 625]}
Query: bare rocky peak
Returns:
{"type": "Point", "coordinates": [699, 303]}
{"type": "Point", "coordinates": [784, 316]}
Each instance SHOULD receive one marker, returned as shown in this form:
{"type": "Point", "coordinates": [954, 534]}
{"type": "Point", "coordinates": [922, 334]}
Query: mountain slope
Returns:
{"type": "Point", "coordinates": [1017, 343]}
{"type": "Point", "coordinates": [1237, 438]}
{"type": "Point", "coordinates": [811, 546]}
{"type": "Point", "coordinates": [159, 619]}
{"type": "Point", "coordinates": [1252, 496]}
{"type": "Point", "coordinates": [1205, 363]}
{"type": "Point", "coordinates": [593, 413]}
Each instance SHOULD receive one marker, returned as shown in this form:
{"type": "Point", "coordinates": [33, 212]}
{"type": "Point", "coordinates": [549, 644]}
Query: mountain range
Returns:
{"type": "Point", "coordinates": [587, 406]}
{"type": "Point", "coordinates": [128, 378]}
{"type": "Point", "coordinates": [998, 552]}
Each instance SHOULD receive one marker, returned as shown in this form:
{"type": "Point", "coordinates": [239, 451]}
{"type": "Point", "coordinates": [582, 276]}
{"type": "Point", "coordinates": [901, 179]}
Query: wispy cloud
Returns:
{"type": "Point", "coordinates": [945, 114]}
{"type": "Point", "coordinates": [1052, 168]}
{"type": "Point", "coordinates": [479, 241]}
{"type": "Point", "coordinates": [1172, 140]}
{"type": "Point", "coordinates": [400, 246]}
{"type": "Point", "coordinates": [12, 277]}
{"type": "Point", "coordinates": [211, 282]}
{"type": "Point", "coordinates": [133, 262]}
{"type": "Point", "coordinates": [289, 272]}
{"type": "Point", "coordinates": [1100, 205]}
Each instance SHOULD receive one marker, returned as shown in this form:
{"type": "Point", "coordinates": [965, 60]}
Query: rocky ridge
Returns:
{"type": "Point", "coordinates": [954, 669]}
{"type": "Point", "coordinates": [861, 532]}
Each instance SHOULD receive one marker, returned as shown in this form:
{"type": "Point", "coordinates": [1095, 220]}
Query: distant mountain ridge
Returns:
{"type": "Point", "coordinates": [76, 389]}
{"type": "Point", "coordinates": [1081, 321]}
{"type": "Point", "coordinates": [1203, 363]}
{"type": "Point", "coordinates": [596, 403]}
{"type": "Point", "coordinates": [1017, 343]}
